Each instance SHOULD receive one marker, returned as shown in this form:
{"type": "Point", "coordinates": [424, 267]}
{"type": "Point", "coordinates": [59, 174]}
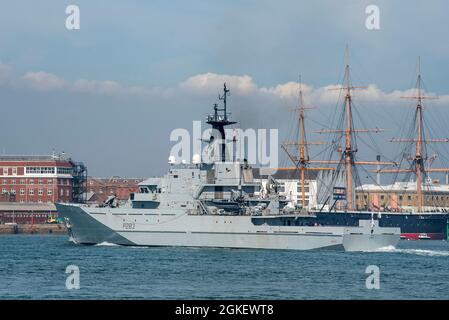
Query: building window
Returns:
{"type": "Point", "coordinates": [22, 181]}
{"type": "Point", "coordinates": [22, 191]}
{"type": "Point", "coordinates": [13, 181]}
{"type": "Point", "coordinates": [65, 170]}
{"type": "Point", "coordinates": [5, 171]}
{"type": "Point", "coordinates": [31, 192]}
{"type": "Point", "coordinates": [4, 181]}
{"type": "Point", "coordinates": [67, 193]}
{"type": "Point", "coordinates": [49, 192]}
{"type": "Point", "coordinates": [40, 181]}
{"type": "Point", "coordinates": [14, 171]}
{"type": "Point", "coordinates": [13, 191]}
{"type": "Point", "coordinates": [49, 181]}
{"type": "Point", "coordinates": [40, 170]}
{"type": "Point", "coordinates": [40, 192]}
{"type": "Point", "coordinates": [4, 190]}
{"type": "Point", "coordinates": [31, 181]}
{"type": "Point", "coordinates": [61, 192]}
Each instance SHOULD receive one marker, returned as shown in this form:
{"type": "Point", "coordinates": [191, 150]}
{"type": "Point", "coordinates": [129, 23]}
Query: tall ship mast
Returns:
{"type": "Point", "coordinates": [419, 160]}
{"type": "Point", "coordinates": [297, 151]}
{"type": "Point", "coordinates": [348, 159]}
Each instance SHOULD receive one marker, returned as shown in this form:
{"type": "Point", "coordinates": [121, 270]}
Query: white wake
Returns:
{"type": "Point", "coordinates": [419, 252]}
{"type": "Point", "coordinates": [107, 244]}
{"type": "Point", "coordinates": [73, 240]}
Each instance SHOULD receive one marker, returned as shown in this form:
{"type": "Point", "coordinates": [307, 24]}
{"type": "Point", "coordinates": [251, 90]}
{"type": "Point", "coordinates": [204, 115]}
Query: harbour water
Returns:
{"type": "Point", "coordinates": [33, 267]}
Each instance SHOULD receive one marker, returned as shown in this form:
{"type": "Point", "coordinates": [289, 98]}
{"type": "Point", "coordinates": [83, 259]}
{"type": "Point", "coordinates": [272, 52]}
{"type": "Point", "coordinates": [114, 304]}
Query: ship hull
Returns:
{"type": "Point", "coordinates": [422, 226]}
{"type": "Point", "coordinates": [141, 228]}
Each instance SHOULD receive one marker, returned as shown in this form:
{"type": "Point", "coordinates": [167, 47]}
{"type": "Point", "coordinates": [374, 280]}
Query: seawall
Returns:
{"type": "Point", "coordinates": [33, 229]}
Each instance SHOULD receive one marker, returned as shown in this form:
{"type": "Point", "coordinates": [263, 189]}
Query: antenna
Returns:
{"type": "Point", "coordinates": [226, 92]}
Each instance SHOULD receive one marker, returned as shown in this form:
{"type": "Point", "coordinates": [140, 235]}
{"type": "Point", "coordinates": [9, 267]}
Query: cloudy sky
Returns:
{"type": "Point", "coordinates": [110, 93]}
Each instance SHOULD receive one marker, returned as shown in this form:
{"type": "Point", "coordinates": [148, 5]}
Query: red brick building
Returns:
{"type": "Point", "coordinates": [39, 179]}
{"type": "Point", "coordinates": [99, 189]}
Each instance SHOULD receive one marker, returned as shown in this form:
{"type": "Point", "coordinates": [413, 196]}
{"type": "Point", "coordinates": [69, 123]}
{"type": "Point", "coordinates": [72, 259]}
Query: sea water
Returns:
{"type": "Point", "coordinates": [34, 267]}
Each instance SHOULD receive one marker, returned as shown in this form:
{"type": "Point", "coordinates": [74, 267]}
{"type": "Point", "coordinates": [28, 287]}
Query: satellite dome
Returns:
{"type": "Point", "coordinates": [196, 159]}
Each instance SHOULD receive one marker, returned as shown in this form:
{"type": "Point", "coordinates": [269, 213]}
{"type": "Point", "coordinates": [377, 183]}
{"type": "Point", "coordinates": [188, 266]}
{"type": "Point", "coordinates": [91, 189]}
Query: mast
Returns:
{"type": "Point", "coordinates": [348, 154]}
{"type": "Point", "coordinates": [418, 164]}
{"type": "Point", "coordinates": [218, 121]}
{"type": "Point", "coordinates": [302, 160]}
{"type": "Point", "coordinates": [349, 151]}
{"type": "Point", "coordinates": [418, 161]}
{"type": "Point", "coordinates": [347, 160]}
{"type": "Point", "coordinates": [302, 145]}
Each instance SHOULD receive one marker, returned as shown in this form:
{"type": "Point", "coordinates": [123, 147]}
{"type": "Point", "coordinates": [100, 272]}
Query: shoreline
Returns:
{"type": "Point", "coordinates": [33, 229]}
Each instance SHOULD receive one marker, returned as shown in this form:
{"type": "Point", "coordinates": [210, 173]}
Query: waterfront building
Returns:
{"type": "Point", "coordinates": [403, 197]}
{"type": "Point", "coordinates": [41, 179]}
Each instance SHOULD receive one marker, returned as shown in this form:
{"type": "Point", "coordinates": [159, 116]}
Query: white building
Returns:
{"type": "Point", "coordinates": [290, 185]}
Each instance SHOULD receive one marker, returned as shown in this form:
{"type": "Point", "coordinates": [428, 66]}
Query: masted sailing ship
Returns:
{"type": "Point", "coordinates": [339, 177]}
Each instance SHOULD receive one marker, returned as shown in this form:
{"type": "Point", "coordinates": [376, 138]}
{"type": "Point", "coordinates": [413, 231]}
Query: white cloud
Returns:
{"type": "Point", "coordinates": [289, 90]}
{"type": "Point", "coordinates": [43, 81]}
{"type": "Point", "coordinates": [207, 83]}
{"type": "Point", "coordinates": [210, 82]}
{"type": "Point", "coordinates": [96, 86]}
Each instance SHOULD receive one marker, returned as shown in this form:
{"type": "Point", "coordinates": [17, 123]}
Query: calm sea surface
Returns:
{"type": "Point", "coordinates": [33, 267]}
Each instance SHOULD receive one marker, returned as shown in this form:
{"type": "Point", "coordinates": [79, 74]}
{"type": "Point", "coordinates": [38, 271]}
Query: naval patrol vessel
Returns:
{"type": "Point", "coordinates": [215, 202]}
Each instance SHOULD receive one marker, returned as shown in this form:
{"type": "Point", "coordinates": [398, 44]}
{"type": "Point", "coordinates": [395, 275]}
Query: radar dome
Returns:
{"type": "Point", "coordinates": [196, 159]}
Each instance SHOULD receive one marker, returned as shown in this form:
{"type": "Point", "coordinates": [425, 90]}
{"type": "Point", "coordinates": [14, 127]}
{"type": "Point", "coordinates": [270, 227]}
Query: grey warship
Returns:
{"type": "Point", "coordinates": [215, 202]}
